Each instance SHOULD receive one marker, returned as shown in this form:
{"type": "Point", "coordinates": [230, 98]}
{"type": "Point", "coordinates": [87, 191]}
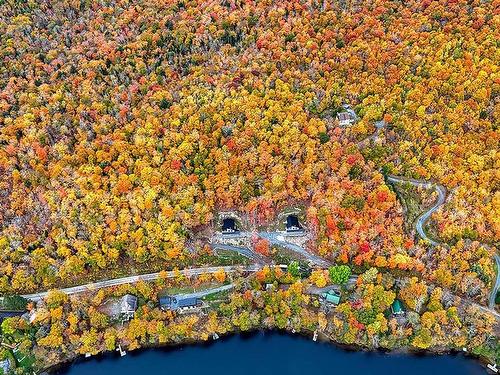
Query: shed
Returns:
{"type": "Point", "coordinates": [229, 225]}
{"type": "Point", "coordinates": [397, 307]}
{"type": "Point", "coordinates": [332, 296]}
{"type": "Point", "coordinates": [292, 223]}
{"type": "Point", "coordinates": [175, 303]}
{"type": "Point", "coordinates": [128, 305]}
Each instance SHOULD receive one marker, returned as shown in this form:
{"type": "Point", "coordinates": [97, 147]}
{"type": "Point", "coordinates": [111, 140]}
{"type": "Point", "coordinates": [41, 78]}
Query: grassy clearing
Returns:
{"type": "Point", "coordinates": [215, 299]}
{"type": "Point", "coordinates": [24, 360]}
{"type": "Point", "coordinates": [281, 255]}
{"type": "Point", "coordinates": [188, 289]}
{"type": "Point", "coordinates": [217, 296]}
{"type": "Point", "coordinates": [231, 258]}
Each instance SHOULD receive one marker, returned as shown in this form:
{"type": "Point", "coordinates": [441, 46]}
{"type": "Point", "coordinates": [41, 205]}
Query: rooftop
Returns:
{"type": "Point", "coordinates": [128, 303]}
{"type": "Point", "coordinates": [397, 307]}
{"type": "Point", "coordinates": [332, 296]}
{"type": "Point", "coordinates": [178, 302]}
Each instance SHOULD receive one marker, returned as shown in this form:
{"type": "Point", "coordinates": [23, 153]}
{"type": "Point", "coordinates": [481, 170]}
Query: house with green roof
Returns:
{"type": "Point", "coordinates": [332, 296]}
{"type": "Point", "coordinates": [397, 307]}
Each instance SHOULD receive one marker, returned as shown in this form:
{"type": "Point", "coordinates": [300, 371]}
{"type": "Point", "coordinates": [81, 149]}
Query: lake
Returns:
{"type": "Point", "coordinates": [271, 353]}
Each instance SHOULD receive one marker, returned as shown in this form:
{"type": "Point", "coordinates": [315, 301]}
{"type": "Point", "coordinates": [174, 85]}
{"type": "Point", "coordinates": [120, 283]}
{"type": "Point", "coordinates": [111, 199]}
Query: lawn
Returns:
{"type": "Point", "coordinates": [281, 255]}
{"type": "Point", "coordinates": [24, 360]}
{"type": "Point", "coordinates": [228, 257]}
{"type": "Point", "coordinates": [188, 289]}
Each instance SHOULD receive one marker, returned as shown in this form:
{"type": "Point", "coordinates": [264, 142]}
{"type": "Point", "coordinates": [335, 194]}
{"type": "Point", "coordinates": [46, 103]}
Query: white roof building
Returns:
{"type": "Point", "coordinates": [128, 305]}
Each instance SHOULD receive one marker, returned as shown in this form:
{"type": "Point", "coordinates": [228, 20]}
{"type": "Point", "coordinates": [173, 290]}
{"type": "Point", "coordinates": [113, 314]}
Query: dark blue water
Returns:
{"type": "Point", "coordinates": [272, 353]}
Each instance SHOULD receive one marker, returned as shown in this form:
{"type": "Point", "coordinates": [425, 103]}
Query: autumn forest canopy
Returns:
{"type": "Point", "coordinates": [126, 126]}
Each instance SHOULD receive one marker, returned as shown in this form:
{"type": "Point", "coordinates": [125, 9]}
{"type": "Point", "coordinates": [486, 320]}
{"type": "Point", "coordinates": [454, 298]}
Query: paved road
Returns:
{"type": "Point", "coordinates": [424, 217]}
{"type": "Point", "coordinates": [274, 238]}
{"type": "Point", "coordinates": [494, 290]}
{"type": "Point", "coordinates": [277, 238]}
{"type": "Point", "coordinates": [146, 277]}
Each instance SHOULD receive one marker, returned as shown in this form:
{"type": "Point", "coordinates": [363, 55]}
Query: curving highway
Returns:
{"type": "Point", "coordinates": [278, 238]}
{"type": "Point", "coordinates": [424, 217]}
{"type": "Point", "coordinates": [494, 291]}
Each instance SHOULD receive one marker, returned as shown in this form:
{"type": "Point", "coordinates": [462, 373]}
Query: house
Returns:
{"type": "Point", "coordinates": [179, 303]}
{"type": "Point", "coordinates": [30, 316]}
{"type": "Point", "coordinates": [347, 116]}
{"type": "Point", "coordinates": [292, 224]}
{"type": "Point", "coordinates": [397, 308]}
{"type": "Point", "coordinates": [128, 305]}
{"type": "Point", "coordinates": [332, 296]}
{"type": "Point", "coordinates": [229, 226]}
{"type": "Point", "coordinates": [5, 366]}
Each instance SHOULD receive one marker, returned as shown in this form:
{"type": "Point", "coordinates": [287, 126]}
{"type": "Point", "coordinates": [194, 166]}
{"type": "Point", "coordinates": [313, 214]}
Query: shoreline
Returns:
{"type": "Point", "coordinates": [305, 334]}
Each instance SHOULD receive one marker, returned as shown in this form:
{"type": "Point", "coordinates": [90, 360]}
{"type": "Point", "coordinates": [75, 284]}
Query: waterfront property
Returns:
{"type": "Point", "coordinates": [128, 306]}
{"type": "Point", "coordinates": [332, 296]}
{"type": "Point", "coordinates": [229, 226]}
{"type": "Point", "coordinates": [180, 304]}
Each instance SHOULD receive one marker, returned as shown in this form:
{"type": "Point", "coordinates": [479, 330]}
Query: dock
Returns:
{"type": "Point", "coordinates": [122, 352]}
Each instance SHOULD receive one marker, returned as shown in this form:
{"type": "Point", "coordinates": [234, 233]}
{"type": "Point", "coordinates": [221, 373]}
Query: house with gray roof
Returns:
{"type": "Point", "coordinates": [128, 306]}
{"type": "Point", "coordinates": [180, 303]}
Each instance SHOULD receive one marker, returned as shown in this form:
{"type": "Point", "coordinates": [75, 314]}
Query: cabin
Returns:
{"type": "Point", "coordinates": [397, 308]}
{"type": "Point", "coordinates": [179, 303]}
{"type": "Point", "coordinates": [347, 116]}
{"type": "Point", "coordinates": [332, 296]}
{"type": "Point", "coordinates": [30, 316]}
{"type": "Point", "coordinates": [292, 224]}
{"type": "Point", "coordinates": [128, 306]}
{"type": "Point", "coordinates": [229, 226]}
